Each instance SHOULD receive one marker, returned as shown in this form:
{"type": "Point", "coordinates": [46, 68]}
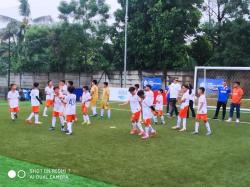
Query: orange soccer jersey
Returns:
{"type": "Point", "coordinates": [70, 118]}
{"type": "Point", "coordinates": [15, 110]}
{"type": "Point", "coordinates": [35, 109]}
{"type": "Point", "coordinates": [49, 103]}
{"type": "Point", "coordinates": [237, 95]}
{"type": "Point", "coordinates": [136, 116]}
{"type": "Point", "coordinates": [183, 112]}
{"type": "Point", "coordinates": [202, 117]}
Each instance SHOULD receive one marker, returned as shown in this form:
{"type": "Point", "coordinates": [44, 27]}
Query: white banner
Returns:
{"type": "Point", "coordinates": [119, 94]}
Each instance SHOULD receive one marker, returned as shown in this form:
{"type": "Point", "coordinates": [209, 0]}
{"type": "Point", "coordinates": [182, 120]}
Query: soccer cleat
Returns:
{"type": "Point", "coordinates": [68, 133]}
{"type": "Point", "coordinates": [85, 122]}
{"type": "Point", "coordinates": [141, 133]}
{"type": "Point", "coordinates": [51, 128]}
{"type": "Point", "coordinates": [152, 134]}
{"type": "Point", "coordinates": [133, 131]}
{"type": "Point", "coordinates": [145, 137]}
{"type": "Point", "coordinates": [29, 122]}
{"type": "Point", "coordinates": [45, 115]}
{"type": "Point", "coordinates": [38, 123]}
{"type": "Point", "coordinates": [237, 120]}
{"type": "Point", "coordinates": [62, 129]}
{"type": "Point", "coordinates": [15, 115]}
{"type": "Point", "coordinates": [229, 120]}
{"type": "Point", "coordinates": [195, 133]}
{"type": "Point", "coordinates": [156, 123]}
{"type": "Point", "coordinates": [208, 133]}
{"type": "Point", "coordinates": [163, 123]}
{"type": "Point", "coordinates": [215, 117]}
{"type": "Point", "coordinates": [88, 123]}
{"type": "Point", "coordinates": [94, 115]}
{"type": "Point", "coordinates": [175, 127]}
{"type": "Point", "coordinates": [182, 130]}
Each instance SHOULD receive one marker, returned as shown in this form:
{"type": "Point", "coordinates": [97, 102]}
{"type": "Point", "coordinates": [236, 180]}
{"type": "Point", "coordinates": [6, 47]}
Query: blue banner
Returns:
{"type": "Point", "coordinates": [155, 82]}
{"type": "Point", "coordinates": [211, 84]}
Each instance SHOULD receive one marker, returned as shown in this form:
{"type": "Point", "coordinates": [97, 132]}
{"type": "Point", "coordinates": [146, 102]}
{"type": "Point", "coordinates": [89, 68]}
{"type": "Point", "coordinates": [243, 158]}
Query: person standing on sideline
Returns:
{"type": "Point", "coordinates": [94, 97]}
{"type": "Point", "coordinates": [223, 94]}
{"type": "Point", "coordinates": [191, 100]}
{"type": "Point", "coordinates": [174, 90]}
{"type": "Point", "coordinates": [237, 94]}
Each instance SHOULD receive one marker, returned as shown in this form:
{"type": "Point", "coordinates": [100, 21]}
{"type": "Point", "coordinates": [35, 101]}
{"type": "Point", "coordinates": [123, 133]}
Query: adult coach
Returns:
{"type": "Point", "coordinates": [174, 90]}
{"type": "Point", "coordinates": [223, 94]}
{"type": "Point", "coordinates": [94, 96]}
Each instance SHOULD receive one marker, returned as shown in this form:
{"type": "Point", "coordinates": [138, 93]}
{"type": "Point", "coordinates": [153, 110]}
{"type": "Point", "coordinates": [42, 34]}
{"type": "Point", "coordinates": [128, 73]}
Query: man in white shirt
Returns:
{"type": "Point", "coordinates": [174, 90]}
{"type": "Point", "coordinates": [49, 91]}
{"type": "Point", "coordinates": [13, 100]}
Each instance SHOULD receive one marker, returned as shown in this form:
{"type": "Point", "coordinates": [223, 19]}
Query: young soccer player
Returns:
{"type": "Point", "coordinates": [149, 94]}
{"type": "Point", "coordinates": [63, 88]}
{"type": "Point", "coordinates": [237, 95]}
{"type": "Point", "coordinates": [57, 109]}
{"type": "Point", "coordinates": [94, 97]}
{"type": "Point", "coordinates": [135, 108]}
{"type": "Point", "coordinates": [184, 102]}
{"type": "Point", "coordinates": [35, 103]}
{"type": "Point", "coordinates": [13, 100]}
{"type": "Point", "coordinates": [85, 105]}
{"type": "Point", "coordinates": [105, 100]}
{"type": "Point", "coordinates": [147, 115]}
{"type": "Point", "coordinates": [49, 91]}
{"type": "Point", "coordinates": [159, 108]}
{"type": "Point", "coordinates": [70, 109]}
{"type": "Point", "coordinates": [202, 112]}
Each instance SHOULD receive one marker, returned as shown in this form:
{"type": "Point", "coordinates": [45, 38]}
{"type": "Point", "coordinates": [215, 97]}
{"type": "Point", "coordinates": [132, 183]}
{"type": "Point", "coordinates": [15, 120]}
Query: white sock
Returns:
{"type": "Point", "coordinates": [84, 118]}
{"type": "Point", "coordinates": [94, 110]}
{"type": "Point", "coordinates": [134, 125]}
{"type": "Point", "coordinates": [109, 113]}
{"type": "Point", "coordinates": [151, 130]}
{"type": "Point", "coordinates": [36, 118]}
{"type": "Point", "coordinates": [184, 121]}
{"type": "Point", "coordinates": [31, 116]}
{"type": "Point", "coordinates": [69, 126]}
{"type": "Point", "coordinates": [197, 126]}
{"type": "Point", "coordinates": [12, 115]}
{"type": "Point", "coordinates": [87, 118]}
{"type": "Point", "coordinates": [179, 122]}
{"type": "Point", "coordinates": [155, 119]}
{"type": "Point", "coordinates": [102, 112]}
{"type": "Point", "coordinates": [208, 127]}
{"type": "Point", "coordinates": [62, 120]}
{"type": "Point", "coordinates": [147, 131]}
{"type": "Point", "coordinates": [54, 122]}
{"type": "Point", "coordinates": [162, 119]}
{"type": "Point", "coordinates": [45, 111]}
{"type": "Point", "coordinates": [139, 126]}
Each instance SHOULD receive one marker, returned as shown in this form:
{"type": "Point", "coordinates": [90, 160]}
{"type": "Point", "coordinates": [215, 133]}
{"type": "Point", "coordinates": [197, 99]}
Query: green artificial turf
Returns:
{"type": "Point", "coordinates": [113, 156]}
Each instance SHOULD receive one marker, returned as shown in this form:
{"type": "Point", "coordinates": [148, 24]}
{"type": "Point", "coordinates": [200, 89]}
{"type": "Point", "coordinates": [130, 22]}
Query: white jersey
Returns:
{"type": "Point", "coordinates": [202, 100]}
{"type": "Point", "coordinates": [85, 98]}
{"type": "Point", "coordinates": [192, 95]}
{"type": "Point", "coordinates": [57, 104]}
{"type": "Point", "coordinates": [70, 104]}
{"type": "Point", "coordinates": [64, 90]}
{"type": "Point", "coordinates": [174, 90]}
{"type": "Point", "coordinates": [134, 101]}
{"type": "Point", "coordinates": [49, 91]}
{"type": "Point", "coordinates": [185, 100]}
{"type": "Point", "coordinates": [159, 102]}
{"type": "Point", "coordinates": [150, 96]}
{"type": "Point", "coordinates": [146, 110]}
{"type": "Point", "coordinates": [13, 98]}
{"type": "Point", "coordinates": [33, 97]}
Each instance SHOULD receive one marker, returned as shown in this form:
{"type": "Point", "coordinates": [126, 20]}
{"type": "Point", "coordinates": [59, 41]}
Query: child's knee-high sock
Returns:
{"type": "Point", "coordinates": [53, 121]}
{"type": "Point", "coordinates": [162, 119]}
{"type": "Point", "coordinates": [184, 121]}
{"type": "Point", "coordinates": [36, 118]}
{"type": "Point", "coordinates": [45, 111]}
{"type": "Point", "coordinates": [151, 129]}
{"type": "Point", "coordinates": [12, 115]}
{"type": "Point", "coordinates": [197, 126]}
{"type": "Point", "coordinates": [84, 118]}
{"type": "Point", "coordinates": [62, 120]}
{"type": "Point", "coordinates": [208, 127]}
{"type": "Point", "coordinates": [109, 113]}
{"type": "Point", "coordinates": [147, 131]}
{"type": "Point", "coordinates": [69, 126]}
{"type": "Point", "coordinates": [179, 122]}
{"type": "Point", "coordinates": [102, 112]}
{"type": "Point", "coordinates": [155, 118]}
{"type": "Point", "coordinates": [139, 126]}
{"type": "Point", "coordinates": [31, 116]}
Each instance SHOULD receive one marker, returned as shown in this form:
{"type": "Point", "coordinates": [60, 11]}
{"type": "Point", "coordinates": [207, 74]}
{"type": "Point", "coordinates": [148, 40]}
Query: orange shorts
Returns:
{"type": "Point", "coordinates": [183, 112]}
{"type": "Point", "coordinates": [136, 116]}
{"type": "Point", "coordinates": [35, 109]}
{"type": "Point", "coordinates": [56, 114]}
{"type": "Point", "coordinates": [49, 103]}
{"type": "Point", "coordinates": [84, 109]}
{"type": "Point", "coordinates": [70, 118]}
{"type": "Point", "coordinates": [147, 122]}
{"type": "Point", "coordinates": [202, 117]}
{"type": "Point", "coordinates": [15, 110]}
{"type": "Point", "coordinates": [159, 113]}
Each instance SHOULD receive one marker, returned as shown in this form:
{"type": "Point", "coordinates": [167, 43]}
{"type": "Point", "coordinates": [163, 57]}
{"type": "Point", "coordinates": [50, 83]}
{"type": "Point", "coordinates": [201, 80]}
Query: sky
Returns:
{"type": "Point", "coordinates": [42, 8]}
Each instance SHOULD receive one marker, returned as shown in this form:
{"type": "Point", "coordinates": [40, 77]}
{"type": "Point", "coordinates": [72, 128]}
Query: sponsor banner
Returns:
{"type": "Point", "coordinates": [119, 94]}
{"type": "Point", "coordinates": [155, 82]}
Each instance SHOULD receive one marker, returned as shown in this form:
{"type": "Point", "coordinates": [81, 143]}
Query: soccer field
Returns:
{"type": "Point", "coordinates": [98, 155]}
